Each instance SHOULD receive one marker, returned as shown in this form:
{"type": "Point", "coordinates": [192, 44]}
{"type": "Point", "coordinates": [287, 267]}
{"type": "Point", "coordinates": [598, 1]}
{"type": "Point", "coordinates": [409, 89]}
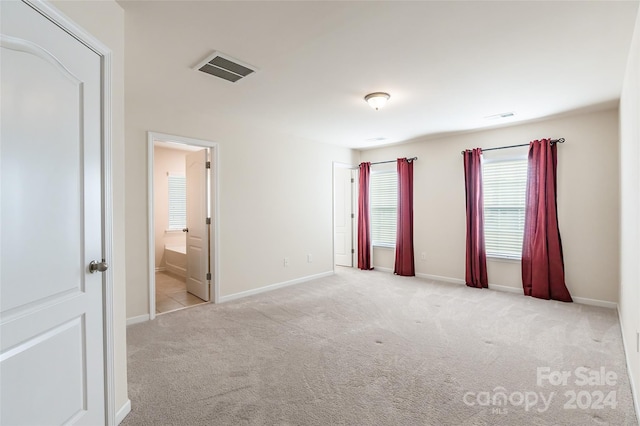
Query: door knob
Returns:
{"type": "Point", "coordinates": [98, 266]}
{"type": "Point", "coordinates": [185, 229]}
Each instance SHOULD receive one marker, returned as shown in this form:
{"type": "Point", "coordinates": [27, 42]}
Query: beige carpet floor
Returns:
{"type": "Point", "coordinates": [370, 348]}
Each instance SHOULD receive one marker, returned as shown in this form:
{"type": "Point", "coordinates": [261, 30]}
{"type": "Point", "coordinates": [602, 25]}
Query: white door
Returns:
{"type": "Point", "coordinates": [51, 318]}
{"type": "Point", "coordinates": [197, 234]}
{"type": "Point", "coordinates": [343, 220]}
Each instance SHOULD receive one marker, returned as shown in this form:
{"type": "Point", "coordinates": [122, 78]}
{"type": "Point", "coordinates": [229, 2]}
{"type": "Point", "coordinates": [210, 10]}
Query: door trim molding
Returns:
{"type": "Point", "coordinates": [106, 65]}
{"type": "Point", "coordinates": [214, 248]}
{"type": "Point", "coordinates": [354, 203]}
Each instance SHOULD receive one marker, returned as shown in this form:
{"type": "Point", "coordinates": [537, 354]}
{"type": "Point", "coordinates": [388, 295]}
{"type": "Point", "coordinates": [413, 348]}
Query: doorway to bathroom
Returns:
{"type": "Point", "coordinates": [182, 222]}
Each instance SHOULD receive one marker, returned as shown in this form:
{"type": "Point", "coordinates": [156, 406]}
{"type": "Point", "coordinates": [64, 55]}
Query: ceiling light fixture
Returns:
{"type": "Point", "coordinates": [499, 116]}
{"type": "Point", "coordinates": [377, 100]}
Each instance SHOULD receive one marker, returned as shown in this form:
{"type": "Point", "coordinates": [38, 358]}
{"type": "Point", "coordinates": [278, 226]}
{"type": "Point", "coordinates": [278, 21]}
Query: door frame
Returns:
{"type": "Point", "coordinates": [214, 206]}
{"type": "Point", "coordinates": [106, 118]}
{"type": "Point", "coordinates": [354, 209]}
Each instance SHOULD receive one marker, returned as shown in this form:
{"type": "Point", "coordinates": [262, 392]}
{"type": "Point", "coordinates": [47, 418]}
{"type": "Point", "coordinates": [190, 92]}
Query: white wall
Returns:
{"type": "Point", "coordinates": [587, 201]}
{"type": "Point", "coordinates": [166, 161]}
{"type": "Point", "coordinates": [275, 190]}
{"type": "Point", "coordinates": [105, 21]}
{"type": "Point", "coordinates": [629, 304]}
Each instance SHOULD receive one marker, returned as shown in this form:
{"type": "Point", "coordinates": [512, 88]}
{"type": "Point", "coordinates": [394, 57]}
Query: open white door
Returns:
{"type": "Point", "coordinates": [198, 274]}
{"type": "Point", "coordinates": [51, 305]}
{"type": "Point", "coordinates": [343, 220]}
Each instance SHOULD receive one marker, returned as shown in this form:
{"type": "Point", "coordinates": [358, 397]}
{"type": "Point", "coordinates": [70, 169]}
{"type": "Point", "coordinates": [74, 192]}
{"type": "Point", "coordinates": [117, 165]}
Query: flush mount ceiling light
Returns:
{"type": "Point", "coordinates": [499, 116]}
{"type": "Point", "coordinates": [377, 100]}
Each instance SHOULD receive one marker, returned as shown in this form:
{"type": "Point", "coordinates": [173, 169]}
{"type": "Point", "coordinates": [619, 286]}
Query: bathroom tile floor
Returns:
{"type": "Point", "coordinates": [171, 293]}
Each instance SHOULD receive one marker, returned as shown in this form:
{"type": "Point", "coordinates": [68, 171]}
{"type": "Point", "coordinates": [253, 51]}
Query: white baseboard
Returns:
{"type": "Point", "coordinates": [381, 269]}
{"type": "Point", "coordinates": [439, 278]}
{"type": "Point", "coordinates": [579, 300]}
{"type": "Point", "coordinates": [275, 286]}
{"type": "Point", "coordinates": [506, 288]}
{"type": "Point", "coordinates": [516, 290]}
{"type": "Point", "coordinates": [595, 302]}
{"type": "Point", "coordinates": [139, 318]}
{"type": "Point", "coordinates": [176, 269]}
{"type": "Point", "coordinates": [123, 411]}
{"type": "Point", "coordinates": [161, 269]}
{"type": "Point", "coordinates": [634, 389]}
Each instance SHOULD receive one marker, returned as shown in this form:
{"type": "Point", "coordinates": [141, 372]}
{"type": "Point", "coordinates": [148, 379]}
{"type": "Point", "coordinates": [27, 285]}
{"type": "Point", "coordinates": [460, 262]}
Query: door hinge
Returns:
{"type": "Point", "coordinates": [353, 251]}
{"type": "Point", "coordinates": [207, 165]}
{"type": "Point", "coordinates": [208, 276]}
{"type": "Point", "coordinates": [352, 180]}
{"type": "Point", "coordinates": [353, 216]}
{"type": "Point", "coordinates": [208, 221]}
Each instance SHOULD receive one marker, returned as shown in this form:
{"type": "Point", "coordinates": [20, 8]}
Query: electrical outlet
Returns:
{"type": "Point", "coordinates": [286, 262]}
{"type": "Point", "coordinates": [423, 256]}
{"type": "Point", "coordinates": [309, 258]}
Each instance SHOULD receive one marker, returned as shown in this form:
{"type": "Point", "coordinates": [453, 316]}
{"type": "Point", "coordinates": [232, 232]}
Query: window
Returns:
{"type": "Point", "coordinates": [504, 184]}
{"type": "Point", "coordinates": [383, 193]}
{"type": "Point", "coordinates": [177, 202]}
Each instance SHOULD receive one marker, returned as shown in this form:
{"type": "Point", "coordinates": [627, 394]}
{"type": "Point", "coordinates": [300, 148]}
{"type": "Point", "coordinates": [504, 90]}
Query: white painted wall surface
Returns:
{"type": "Point", "coordinates": [276, 195]}
{"type": "Point", "coordinates": [587, 201]}
{"type": "Point", "coordinates": [629, 303]}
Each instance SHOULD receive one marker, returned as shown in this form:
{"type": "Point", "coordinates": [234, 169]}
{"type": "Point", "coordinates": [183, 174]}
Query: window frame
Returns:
{"type": "Point", "coordinates": [373, 218]}
{"type": "Point", "coordinates": [171, 226]}
{"type": "Point", "coordinates": [493, 254]}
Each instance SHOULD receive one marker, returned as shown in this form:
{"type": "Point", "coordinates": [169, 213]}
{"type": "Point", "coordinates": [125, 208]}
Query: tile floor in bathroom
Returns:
{"type": "Point", "coordinates": [171, 293]}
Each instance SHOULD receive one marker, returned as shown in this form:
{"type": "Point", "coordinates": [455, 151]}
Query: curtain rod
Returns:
{"type": "Point", "coordinates": [561, 140]}
{"type": "Point", "coordinates": [393, 161]}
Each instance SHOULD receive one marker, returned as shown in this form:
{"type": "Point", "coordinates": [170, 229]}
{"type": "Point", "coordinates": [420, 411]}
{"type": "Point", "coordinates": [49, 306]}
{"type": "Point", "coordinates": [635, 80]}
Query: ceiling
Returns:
{"type": "Point", "coordinates": [446, 65]}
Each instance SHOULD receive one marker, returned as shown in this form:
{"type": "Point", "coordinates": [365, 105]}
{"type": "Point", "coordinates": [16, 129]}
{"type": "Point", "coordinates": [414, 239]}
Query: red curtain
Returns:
{"type": "Point", "coordinates": [542, 260]}
{"type": "Point", "coordinates": [364, 231]}
{"type": "Point", "coordinates": [476, 267]}
{"type": "Point", "coordinates": [404, 234]}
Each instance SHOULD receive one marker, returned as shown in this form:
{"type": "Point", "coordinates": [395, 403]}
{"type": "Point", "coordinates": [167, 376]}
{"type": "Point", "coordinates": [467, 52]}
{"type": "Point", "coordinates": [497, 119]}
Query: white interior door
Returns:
{"type": "Point", "coordinates": [51, 317]}
{"type": "Point", "coordinates": [343, 220]}
{"type": "Point", "coordinates": [197, 234]}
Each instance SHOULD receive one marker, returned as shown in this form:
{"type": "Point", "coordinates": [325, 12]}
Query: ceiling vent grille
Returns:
{"type": "Point", "coordinates": [225, 67]}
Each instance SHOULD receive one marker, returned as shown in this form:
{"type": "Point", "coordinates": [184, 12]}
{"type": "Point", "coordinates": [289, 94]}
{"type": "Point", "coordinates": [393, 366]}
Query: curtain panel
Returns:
{"type": "Point", "coordinates": [476, 256]}
{"type": "Point", "coordinates": [542, 258]}
{"type": "Point", "coordinates": [405, 263]}
{"type": "Point", "coordinates": [364, 226]}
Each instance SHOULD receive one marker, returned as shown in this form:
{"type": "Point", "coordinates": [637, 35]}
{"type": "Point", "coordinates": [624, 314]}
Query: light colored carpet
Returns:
{"type": "Point", "coordinates": [370, 348]}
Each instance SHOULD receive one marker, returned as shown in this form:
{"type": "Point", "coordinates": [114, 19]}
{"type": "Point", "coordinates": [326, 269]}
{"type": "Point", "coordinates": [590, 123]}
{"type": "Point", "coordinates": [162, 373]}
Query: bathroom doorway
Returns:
{"type": "Point", "coordinates": [183, 226]}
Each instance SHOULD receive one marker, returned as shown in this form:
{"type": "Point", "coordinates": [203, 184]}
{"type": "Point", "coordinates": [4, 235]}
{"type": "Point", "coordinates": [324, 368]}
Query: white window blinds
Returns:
{"type": "Point", "coordinates": [177, 202]}
{"type": "Point", "coordinates": [383, 198]}
{"type": "Point", "coordinates": [504, 184]}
